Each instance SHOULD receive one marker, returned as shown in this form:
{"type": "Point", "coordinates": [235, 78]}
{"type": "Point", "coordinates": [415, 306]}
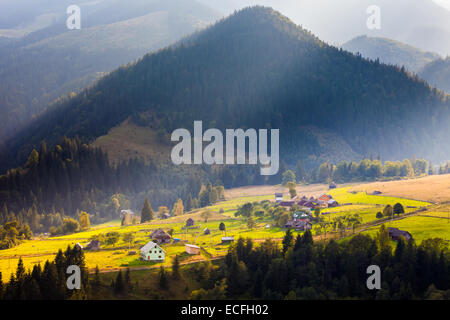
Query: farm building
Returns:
{"type": "Point", "coordinates": [288, 204]}
{"type": "Point", "coordinates": [206, 231]}
{"type": "Point", "coordinates": [299, 225]}
{"type": "Point", "coordinates": [278, 197]}
{"type": "Point", "coordinates": [311, 204]}
{"type": "Point", "coordinates": [376, 192]}
{"type": "Point", "coordinates": [332, 203]}
{"type": "Point", "coordinates": [93, 245]}
{"type": "Point", "coordinates": [325, 197]}
{"type": "Point", "coordinates": [78, 246]}
{"type": "Point", "coordinates": [395, 234]}
{"type": "Point", "coordinates": [152, 252]}
{"type": "Point", "coordinates": [189, 222]}
{"type": "Point", "coordinates": [192, 249]}
{"type": "Point", "coordinates": [227, 239]}
{"type": "Point", "coordinates": [124, 212]}
{"type": "Point", "coordinates": [299, 215]}
{"type": "Point", "coordinates": [160, 236]}
{"type": "Point", "coordinates": [332, 185]}
{"type": "Point", "coordinates": [165, 215]}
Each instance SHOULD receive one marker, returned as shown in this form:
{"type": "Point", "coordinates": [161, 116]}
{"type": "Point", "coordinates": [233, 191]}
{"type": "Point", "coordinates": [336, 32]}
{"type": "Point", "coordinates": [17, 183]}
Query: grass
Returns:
{"type": "Point", "coordinates": [342, 195]}
{"type": "Point", "coordinates": [430, 188]}
{"type": "Point", "coordinates": [113, 257]}
{"type": "Point", "coordinates": [421, 228]}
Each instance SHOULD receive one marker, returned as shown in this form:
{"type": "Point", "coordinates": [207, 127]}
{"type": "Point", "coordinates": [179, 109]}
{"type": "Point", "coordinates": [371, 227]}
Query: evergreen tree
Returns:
{"type": "Point", "coordinates": [163, 281]}
{"type": "Point", "coordinates": [147, 211]}
{"type": "Point", "coordinates": [287, 241]}
{"type": "Point", "coordinates": [119, 286]}
{"type": "Point", "coordinates": [176, 267]}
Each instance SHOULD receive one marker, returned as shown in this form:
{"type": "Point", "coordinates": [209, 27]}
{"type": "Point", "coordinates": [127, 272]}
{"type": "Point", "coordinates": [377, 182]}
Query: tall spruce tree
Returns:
{"type": "Point", "coordinates": [147, 211]}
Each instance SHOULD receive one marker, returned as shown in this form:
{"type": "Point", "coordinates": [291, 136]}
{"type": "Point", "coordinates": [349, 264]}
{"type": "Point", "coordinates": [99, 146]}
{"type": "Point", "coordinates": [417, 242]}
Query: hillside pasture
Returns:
{"type": "Point", "coordinates": [434, 188]}
{"type": "Point", "coordinates": [420, 227]}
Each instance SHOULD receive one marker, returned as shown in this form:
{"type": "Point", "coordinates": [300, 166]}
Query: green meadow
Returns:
{"type": "Point", "coordinates": [111, 257]}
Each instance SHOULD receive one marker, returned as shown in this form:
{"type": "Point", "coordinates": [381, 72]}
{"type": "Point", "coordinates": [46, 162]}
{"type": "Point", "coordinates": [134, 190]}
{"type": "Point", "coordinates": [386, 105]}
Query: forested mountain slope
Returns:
{"type": "Point", "coordinates": [55, 61]}
{"type": "Point", "coordinates": [437, 73]}
{"type": "Point", "coordinates": [390, 52]}
{"type": "Point", "coordinates": [258, 69]}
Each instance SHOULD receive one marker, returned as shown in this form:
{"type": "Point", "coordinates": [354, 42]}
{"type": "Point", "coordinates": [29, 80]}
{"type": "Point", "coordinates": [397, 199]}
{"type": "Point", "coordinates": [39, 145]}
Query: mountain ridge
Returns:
{"type": "Point", "coordinates": [258, 69]}
{"type": "Point", "coordinates": [390, 52]}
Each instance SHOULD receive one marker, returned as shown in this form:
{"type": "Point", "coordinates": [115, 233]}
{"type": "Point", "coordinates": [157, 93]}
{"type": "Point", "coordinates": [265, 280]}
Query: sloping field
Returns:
{"type": "Point", "coordinates": [431, 188]}
{"type": "Point", "coordinates": [302, 190]}
{"type": "Point", "coordinates": [421, 228]}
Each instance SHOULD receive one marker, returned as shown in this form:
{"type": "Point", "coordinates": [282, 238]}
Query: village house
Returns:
{"type": "Point", "coordinates": [278, 197]}
{"type": "Point", "coordinates": [332, 203]}
{"type": "Point", "coordinates": [152, 252]}
{"type": "Point", "coordinates": [299, 215]}
{"type": "Point", "coordinates": [299, 225]}
{"type": "Point", "coordinates": [206, 231]}
{"type": "Point", "coordinates": [325, 197]}
{"type": "Point", "coordinates": [395, 234]}
{"type": "Point", "coordinates": [227, 239]}
{"type": "Point", "coordinates": [332, 185]}
{"type": "Point", "coordinates": [165, 215]}
{"type": "Point", "coordinates": [286, 204]}
{"type": "Point", "coordinates": [124, 212]}
{"type": "Point", "coordinates": [189, 222]}
{"type": "Point", "coordinates": [93, 245]}
{"type": "Point", "coordinates": [192, 249]}
{"type": "Point", "coordinates": [160, 236]}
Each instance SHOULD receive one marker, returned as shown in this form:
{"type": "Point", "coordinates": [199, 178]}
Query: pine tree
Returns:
{"type": "Point", "coordinates": [127, 280]}
{"type": "Point", "coordinates": [287, 241]}
{"type": "Point", "coordinates": [118, 284]}
{"type": "Point", "coordinates": [147, 211]}
{"type": "Point", "coordinates": [97, 281]}
{"type": "Point", "coordinates": [163, 281]}
{"type": "Point", "coordinates": [1, 286]}
{"type": "Point", "coordinates": [176, 267]}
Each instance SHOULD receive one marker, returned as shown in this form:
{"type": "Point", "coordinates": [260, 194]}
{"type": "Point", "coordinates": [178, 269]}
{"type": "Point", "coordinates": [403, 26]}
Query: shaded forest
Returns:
{"type": "Point", "coordinates": [258, 69]}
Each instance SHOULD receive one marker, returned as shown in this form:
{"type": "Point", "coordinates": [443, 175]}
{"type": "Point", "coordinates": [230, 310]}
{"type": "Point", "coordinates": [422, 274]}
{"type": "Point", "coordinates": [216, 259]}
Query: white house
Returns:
{"type": "Point", "coordinates": [278, 197]}
{"type": "Point", "coordinates": [152, 252]}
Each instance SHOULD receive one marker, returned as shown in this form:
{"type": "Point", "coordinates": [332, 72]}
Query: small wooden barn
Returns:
{"type": "Point", "coordinates": [227, 239]}
{"type": "Point", "coordinates": [395, 234]}
{"type": "Point", "coordinates": [206, 231]}
{"type": "Point", "coordinates": [160, 236]}
{"type": "Point", "coordinates": [93, 245]}
{"type": "Point", "coordinates": [189, 222]}
{"type": "Point", "coordinates": [192, 249]}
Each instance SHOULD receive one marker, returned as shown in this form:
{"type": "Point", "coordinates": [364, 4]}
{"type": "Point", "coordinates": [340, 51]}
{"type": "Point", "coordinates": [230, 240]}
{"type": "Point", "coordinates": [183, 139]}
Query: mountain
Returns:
{"type": "Point", "coordinates": [257, 69]}
{"type": "Point", "coordinates": [64, 61]}
{"type": "Point", "coordinates": [437, 73]}
{"type": "Point", "coordinates": [420, 23]}
{"type": "Point", "coordinates": [390, 52]}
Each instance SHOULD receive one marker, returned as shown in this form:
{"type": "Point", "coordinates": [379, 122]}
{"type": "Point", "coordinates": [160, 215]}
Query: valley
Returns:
{"type": "Point", "coordinates": [430, 222]}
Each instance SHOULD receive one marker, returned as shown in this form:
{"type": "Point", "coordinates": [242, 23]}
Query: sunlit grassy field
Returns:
{"type": "Point", "coordinates": [111, 257]}
{"type": "Point", "coordinates": [342, 195]}
{"type": "Point", "coordinates": [421, 228]}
